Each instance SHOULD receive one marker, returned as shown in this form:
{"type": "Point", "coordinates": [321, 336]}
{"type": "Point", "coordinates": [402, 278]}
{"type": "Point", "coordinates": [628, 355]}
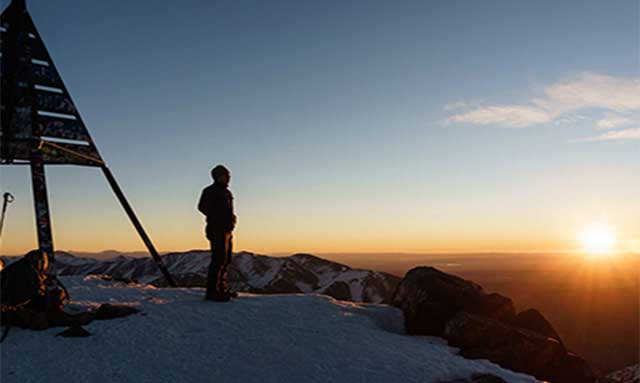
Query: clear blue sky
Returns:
{"type": "Point", "coordinates": [348, 125]}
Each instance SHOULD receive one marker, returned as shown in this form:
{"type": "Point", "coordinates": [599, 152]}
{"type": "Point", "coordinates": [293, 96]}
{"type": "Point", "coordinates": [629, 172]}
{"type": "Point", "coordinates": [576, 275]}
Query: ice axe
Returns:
{"type": "Point", "coordinates": [8, 198]}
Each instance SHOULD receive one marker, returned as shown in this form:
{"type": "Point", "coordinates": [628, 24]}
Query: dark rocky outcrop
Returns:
{"type": "Point", "coordinates": [515, 348]}
{"type": "Point", "coordinates": [338, 290]}
{"type": "Point", "coordinates": [429, 298]}
{"type": "Point", "coordinates": [533, 320]}
{"type": "Point", "coordinates": [486, 326]}
{"type": "Point", "coordinates": [278, 286]}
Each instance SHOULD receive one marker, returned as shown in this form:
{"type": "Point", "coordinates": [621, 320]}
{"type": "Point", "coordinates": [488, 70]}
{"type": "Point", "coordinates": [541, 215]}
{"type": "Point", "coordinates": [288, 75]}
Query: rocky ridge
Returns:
{"type": "Point", "coordinates": [486, 326]}
{"type": "Point", "coordinates": [248, 272]}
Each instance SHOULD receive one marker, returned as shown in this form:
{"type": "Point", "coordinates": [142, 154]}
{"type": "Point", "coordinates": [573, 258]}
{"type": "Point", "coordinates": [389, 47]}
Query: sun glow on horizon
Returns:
{"type": "Point", "coordinates": [598, 239]}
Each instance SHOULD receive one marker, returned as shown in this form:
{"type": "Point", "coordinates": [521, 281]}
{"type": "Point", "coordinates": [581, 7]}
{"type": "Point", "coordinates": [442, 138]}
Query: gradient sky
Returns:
{"type": "Point", "coordinates": [349, 126]}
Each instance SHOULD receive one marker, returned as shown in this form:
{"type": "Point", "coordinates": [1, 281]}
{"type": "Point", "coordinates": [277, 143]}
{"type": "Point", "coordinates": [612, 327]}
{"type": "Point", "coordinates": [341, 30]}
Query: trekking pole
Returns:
{"type": "Point", "coordinates": [8, 198]}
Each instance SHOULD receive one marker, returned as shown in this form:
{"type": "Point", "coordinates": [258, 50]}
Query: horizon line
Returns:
{"type": "Point", "coordinates": [289, 253]}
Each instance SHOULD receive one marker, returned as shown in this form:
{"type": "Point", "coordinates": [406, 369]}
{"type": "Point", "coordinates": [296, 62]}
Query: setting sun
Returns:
{"type": "Point", "coordinates": [597, 238]}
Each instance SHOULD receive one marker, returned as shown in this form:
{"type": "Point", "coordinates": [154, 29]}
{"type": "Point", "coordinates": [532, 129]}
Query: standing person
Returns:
{"type": "Point", "coordinates": [216, 203]}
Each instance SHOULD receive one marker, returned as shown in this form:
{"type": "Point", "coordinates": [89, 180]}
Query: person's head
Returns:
{"type": "Point", "coordinates": [221, 175]}
{"type": "Point", "coordinates": [38, 259]}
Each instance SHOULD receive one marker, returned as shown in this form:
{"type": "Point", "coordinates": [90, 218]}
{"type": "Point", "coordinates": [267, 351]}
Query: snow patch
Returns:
{"type": "Point", "coordinates": [179, 337]}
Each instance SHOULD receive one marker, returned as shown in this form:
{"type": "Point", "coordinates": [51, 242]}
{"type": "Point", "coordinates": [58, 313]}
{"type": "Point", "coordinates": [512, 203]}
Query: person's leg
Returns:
{"type": "Point", "coordinates": [233, 294]}
{"type": "Point", "coordinates": [223, 286]}
{"type": "Point", "coordinates": [217, 257]}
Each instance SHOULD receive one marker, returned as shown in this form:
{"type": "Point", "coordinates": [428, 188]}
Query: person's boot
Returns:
{"type": "Point", "coordinates": [222, 297]}
{"type": "Point", "coordinates": [39, 321]}
{"type": "Point", "coordinates": [211, 293]}
{"type": "Point", "coordinates": [219, 297]}
{"type": "Point", "coordinates": [231, 294]}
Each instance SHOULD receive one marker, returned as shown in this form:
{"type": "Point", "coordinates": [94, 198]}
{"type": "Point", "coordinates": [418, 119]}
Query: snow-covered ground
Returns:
{"type": "Point", "coordinates": [179, 337]}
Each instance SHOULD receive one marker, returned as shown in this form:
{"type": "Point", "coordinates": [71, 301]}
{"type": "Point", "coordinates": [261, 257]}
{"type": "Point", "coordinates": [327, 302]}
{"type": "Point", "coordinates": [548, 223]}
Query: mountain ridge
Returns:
{"type": "Point", "coordinates": [248, 272]}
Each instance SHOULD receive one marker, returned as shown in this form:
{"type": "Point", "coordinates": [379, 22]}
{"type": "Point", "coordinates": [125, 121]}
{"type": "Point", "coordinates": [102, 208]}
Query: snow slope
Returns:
{"type": "Point", "coordinates": [179, 337]}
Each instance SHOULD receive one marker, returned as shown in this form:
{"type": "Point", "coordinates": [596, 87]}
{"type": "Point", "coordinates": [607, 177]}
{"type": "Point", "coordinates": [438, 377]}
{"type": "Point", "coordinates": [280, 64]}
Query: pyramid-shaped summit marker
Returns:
{"type": "Point", "coordinates": [38, 114]}
{"type": "Point", "coordinates": [39, 123]}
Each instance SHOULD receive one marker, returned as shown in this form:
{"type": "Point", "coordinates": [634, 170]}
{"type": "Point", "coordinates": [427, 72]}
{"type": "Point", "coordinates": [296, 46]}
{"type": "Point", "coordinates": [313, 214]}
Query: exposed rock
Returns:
{"type": "Point", "coordinates": [533, 320]}
{"type": "Point", "coordinates": [189, 280]}
{"type": "Point", "coordinates": [494, 306]}
{"type": "Point", "coordinates": [515, 348]}
{"type": "Point", "coordinates": [278, 286]}
{"type": "Point", "coordinates": [339, 290]}
{"type": "Point", "coordinates": [379, 285]}
{"type": "Point", "coordinates": [629, 374]}
{"type": "Point", "coordinates": [486, 326]}
{"type": "Point", "coordinates": [429, 298]}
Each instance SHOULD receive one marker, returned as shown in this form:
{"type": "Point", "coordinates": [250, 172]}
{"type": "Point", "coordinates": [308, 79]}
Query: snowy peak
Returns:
{"type": "Point", "coordinates": [299, 273]}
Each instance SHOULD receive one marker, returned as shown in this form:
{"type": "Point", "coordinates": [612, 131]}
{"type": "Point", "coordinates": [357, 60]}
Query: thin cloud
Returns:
{"type": "Point", "coordinates": [625, 134]}
{"type": "Point", "coordinates": [509, 116]}
{"type": "Point", "coordinates": [454, 106]}
{"type": "Point", "coordinates": [587, 90]}
{"type": "Point", "coordinates": [612, 122]}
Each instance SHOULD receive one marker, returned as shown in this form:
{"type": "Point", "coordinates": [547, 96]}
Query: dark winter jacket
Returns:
{"type": "Point", "coordinates": [21, 282]}
{"type": "Point", "coordinates": [216, 203]}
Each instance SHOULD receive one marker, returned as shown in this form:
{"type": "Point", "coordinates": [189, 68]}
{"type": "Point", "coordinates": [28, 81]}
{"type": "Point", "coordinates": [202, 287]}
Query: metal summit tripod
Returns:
{"type": "Point", "coordinates": [40, 124]}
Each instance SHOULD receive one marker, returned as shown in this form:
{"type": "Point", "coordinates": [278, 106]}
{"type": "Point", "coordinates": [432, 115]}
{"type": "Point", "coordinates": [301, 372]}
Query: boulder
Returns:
{"type": "Point", "coordinates": [429, 298]}
{"type": "Point", "coordinates": [184, 280]}
{"type": "Point", "coordinates": [278, 286]}
{"type": "Point", "coordinates": [339, 290]}
{"type": "Point", "coordinates": [494, 306]}
{"type": "Point", "coordinates": [516, 349]}
{"type": "Point", "coordinates": [533, 320]}
{"type": "Point", "coordinates": [486, 326]}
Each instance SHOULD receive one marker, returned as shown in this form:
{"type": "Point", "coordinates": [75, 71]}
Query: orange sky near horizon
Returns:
{"type": "Point", "coordinates": [77, 229]}
{"type": "Point", "coordinates": [94, 222]}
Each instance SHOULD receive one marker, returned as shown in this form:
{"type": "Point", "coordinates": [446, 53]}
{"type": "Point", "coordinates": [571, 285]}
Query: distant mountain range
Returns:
{"type": "Point", "coordinates": [630, 374]}
{"type": "Point", "coordinates": [299, 273]}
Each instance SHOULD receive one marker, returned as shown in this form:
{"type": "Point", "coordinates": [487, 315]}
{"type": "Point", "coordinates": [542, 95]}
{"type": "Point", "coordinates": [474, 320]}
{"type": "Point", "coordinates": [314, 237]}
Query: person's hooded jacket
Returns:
{"type": "Point", "coordinates": [216, 203]}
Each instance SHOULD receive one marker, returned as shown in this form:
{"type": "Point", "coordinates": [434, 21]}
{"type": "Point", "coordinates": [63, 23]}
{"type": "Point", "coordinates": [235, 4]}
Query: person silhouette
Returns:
{"type": "Point", "coordinates": [216, 203]}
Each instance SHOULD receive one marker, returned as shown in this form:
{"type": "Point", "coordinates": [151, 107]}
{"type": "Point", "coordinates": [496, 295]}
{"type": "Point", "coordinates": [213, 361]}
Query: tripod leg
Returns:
{"type": "Point", "coordinates": [136, 223]}
{"type": "Point", "coordinates": [41, 207]}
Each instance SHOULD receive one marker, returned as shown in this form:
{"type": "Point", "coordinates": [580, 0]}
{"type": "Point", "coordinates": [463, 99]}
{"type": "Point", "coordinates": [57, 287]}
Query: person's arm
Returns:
{"type": "Point", "coordinates": [226, 211]}
{"type": "Point", "coordinates": [234, 218]}
{"type": "Point", "coordinates": [204, 205]}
